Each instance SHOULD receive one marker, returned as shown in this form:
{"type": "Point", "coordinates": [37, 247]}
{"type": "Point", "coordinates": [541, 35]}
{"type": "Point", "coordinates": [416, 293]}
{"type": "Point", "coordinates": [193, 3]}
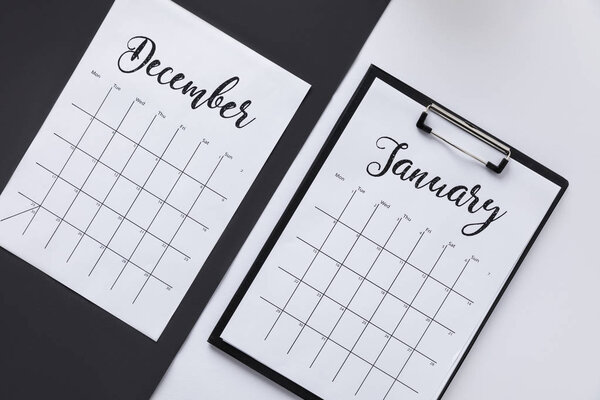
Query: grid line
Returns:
{"type": "Point", "coordinates": [402, 318]}
{"type": "Point", "coordinates": [102, 204]}
{"type": "Point", "coordinates": [397, 256]}
{"type": "Point", "coordinates": [67, 161]}
{"type": "Point", "coordinates": [383, 298]}
{"type": "Point", "coordinates": [119, 174]}
{"type": "Point", "coordinates": [358, 315]}
{"type": "Point", "coordinates": [312, 261]}
{"type": "Point", "coordinates": [282, 311]}
{"type": "Point", "coordinates": [331, 281]}
{"type": "Point", "coordinates": [158, 160]}
{"type": "Point", "coordinates": [151, 152]}
{"type": "Point", "coordinates": [133, 182]}
{"type": "Point", "coordinates": [93, 238]}
{"type": "Point", "coordinates": [180, 225]}
{"type": "Point", "coordinates": [426, 328]}
{"type": "Point", "coordinates": [88, 176]}
{"type": "Point", "coordinates": [373, 283]}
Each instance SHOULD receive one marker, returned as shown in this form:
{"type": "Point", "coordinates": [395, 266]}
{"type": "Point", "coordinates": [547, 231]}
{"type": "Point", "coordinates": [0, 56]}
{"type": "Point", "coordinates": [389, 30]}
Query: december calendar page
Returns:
{"type": "Point", "coordinates": [390, 262]}
{"type": "Point", "coordinates": [144, 158]}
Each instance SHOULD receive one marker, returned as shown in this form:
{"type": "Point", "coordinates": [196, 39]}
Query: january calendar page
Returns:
{"type": "Point", "coordinates": [144, 158]}
{"type": "Point", "coordinates": [387, 264]}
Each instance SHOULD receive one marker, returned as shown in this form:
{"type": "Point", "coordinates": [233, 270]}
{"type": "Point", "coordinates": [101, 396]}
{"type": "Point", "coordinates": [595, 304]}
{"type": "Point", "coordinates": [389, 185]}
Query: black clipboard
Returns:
{"type": "Point", "coordinates": [376, 73]}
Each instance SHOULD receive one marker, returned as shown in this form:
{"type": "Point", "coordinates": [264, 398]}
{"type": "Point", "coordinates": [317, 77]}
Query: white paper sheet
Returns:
{"type": "Point", "coordinates": [375, 287]}
{"type": "Point", "coordinates": [144, 158]}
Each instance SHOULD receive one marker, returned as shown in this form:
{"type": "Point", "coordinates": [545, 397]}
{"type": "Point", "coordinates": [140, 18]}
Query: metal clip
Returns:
{"type": "Point", "coordinates": [472, 130]}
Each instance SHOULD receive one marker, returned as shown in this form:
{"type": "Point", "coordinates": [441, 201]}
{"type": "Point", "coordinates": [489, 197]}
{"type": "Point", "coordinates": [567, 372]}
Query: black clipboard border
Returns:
{"type": "Point", "coordinates": [373, 73]}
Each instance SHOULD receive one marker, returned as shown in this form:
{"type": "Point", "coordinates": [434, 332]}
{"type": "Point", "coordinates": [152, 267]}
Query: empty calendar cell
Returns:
{"type": "Point", "coordinates": [326, 315]}
{"type": "Point", "coordinates": [104, 225]}
{"type": "Point", "coordinates": [303, 302]}
{"type": "Point", "coordinates": [298, 265]}
{"type": "Point", "coordinates": [126, 237]}
{"type": "Point", "coordinates": [407, 283]}
{"type": "Point", "coordinates": [340, 242]}
{"type": "Point", "coordinates": [204, 207]}
{"type": "Point", "coordinates": [344, 286]}
{"type": "Point", "coordinates": [370, 343]}
{"type": "Point", "coordinates": [135, 125]}
{"type": "Point", "coordinates": [78, 169]}
{"type": "Point", "coordinates": [348, 329]}
{"type": "Point", "coordinates": [455, 307]}
{"type": "Point", "coordinates": [82, 211]}
{"type": "Point", "coordinates": [354, 369]}
{"type": "Point", "coordinates": [430, 297]}
{"type": "Point", "coordinates": [308, 339]}
{"type": "Point", "coordinates": [140, 166]}
{"type": "Point", "coordinates": [100, 182]}
{"type": "Point", "coordinates": [121, 196]}
{"type": "Point", "coordinates": [117, 153]}
{"type": "Point", "coordinates": [321, 272]}
{"type": "Point", "coordinates": [358, 213]}
{"type": "Point", "coordinates": [185, 193]}
{"type": "Point", "coordinates": [95, 139]}
{"type": "Point", "coordinates": [148, 252]}
{"type": "Point", "coordinates": [412, 327]}
{"type": "Point", "coordinates": [181, 149]}
{"type": "Point", "coordinates": [392, 356]}
{"type": "Point", "coordinates": [143, 210]}
{"type": "Point", "coordinates": [123, 279]}
{"type": "Point", "coordinates": [284, 332]}
{"type": "Point", "coordinates": [61, 197]}
{"type": "Point", "coordinates": [162, 180]}
{"type": "Point", "coordinates": [108, 266]}
{"type": "Point", "coordinates": [366, 299]}
{"type": "Point", "coordinates": [166, 223]}
{"type": "Point", "coordinates": [329, 357]}
{"type": "Point", "coordinates": [385, 270]}
{"type": "Point", "coordinates": [389, 313]}
{"type": "Point", "coordinates": [416, 370]}
{"type": "Point", "coordinates": [375, 386]}
{"type": "Point", "coordinates": [363, 256]}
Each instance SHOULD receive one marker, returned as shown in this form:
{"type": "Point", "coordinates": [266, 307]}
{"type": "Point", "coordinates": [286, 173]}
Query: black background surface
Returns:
{"type": "Point", "coordinates": [55, 344]}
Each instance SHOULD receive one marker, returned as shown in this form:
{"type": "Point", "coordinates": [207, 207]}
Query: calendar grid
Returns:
{"type": "Point", "coordinates": [135, 183]}
{"type": "Point", "coordinates": [118, 175]}
{"type": "Point", "coordinates": [312, 261]}
{"type": "Point", "coordinates": [375, 284]}
{"type": "Point", "coordinates": [338, 344]}
{"type": "Point", "coordinates": [102, 204]}
{"type": "Point", "coordinates": [112, 136]}
{"type": "Point", "coordinates": [399, 258]}
{"type": "Point", "coordinates": [328, 285]}
{"type": "Point", "coordinates": [163, 203]}
{"type": "Point", "coordinates": [180, 224]}
{"type": "Point", "coordinates": [403, 315]}
{"type": "Point", "coordinates": [382, 299]}
{"type": "Point", "coordinates": [366, 318]}
{"type": "Point", "coordinates": [145, 231]}
{"type": "Point", "coordinates": [38, 205]}
{"type": "Point", "coordinates": [151, 152]}
{"type": "Point", "coordinates": [66, 162]}
{"type": "Point", "coordinates": [427, 327]}
{"type": "Point", "coordinates": [356, 314]}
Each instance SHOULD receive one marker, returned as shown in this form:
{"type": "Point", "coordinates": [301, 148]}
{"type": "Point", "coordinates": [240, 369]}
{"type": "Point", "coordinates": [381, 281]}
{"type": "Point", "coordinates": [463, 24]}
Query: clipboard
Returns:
{"type": "Point", "coordinates": [507, 155]}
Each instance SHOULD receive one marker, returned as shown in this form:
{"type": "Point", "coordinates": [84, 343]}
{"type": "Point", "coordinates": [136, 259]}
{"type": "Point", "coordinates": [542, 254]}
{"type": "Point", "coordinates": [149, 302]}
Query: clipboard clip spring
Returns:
{"type": "Point", "coordinates": [472, 130]}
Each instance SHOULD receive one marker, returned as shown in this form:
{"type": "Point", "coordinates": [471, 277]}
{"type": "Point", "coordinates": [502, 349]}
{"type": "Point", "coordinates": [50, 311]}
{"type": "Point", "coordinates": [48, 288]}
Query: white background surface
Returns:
{"type": "Point", "coordinates": [529, 72]}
